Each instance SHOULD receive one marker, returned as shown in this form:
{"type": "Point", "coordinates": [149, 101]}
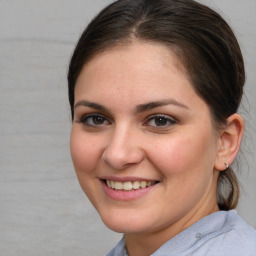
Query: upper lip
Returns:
{"type": "Point", "coordinates": [126, 178]}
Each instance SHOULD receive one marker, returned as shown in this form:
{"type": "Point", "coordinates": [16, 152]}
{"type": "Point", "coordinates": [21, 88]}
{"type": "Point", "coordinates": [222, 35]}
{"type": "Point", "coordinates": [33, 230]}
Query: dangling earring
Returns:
{"type": "Point", "coordinates": [227, 166]}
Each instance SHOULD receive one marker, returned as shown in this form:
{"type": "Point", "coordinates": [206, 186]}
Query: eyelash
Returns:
{"type": "Point", "coordinates": [84, 120]}
{"type": "Point", "coordinates": [168, 121]}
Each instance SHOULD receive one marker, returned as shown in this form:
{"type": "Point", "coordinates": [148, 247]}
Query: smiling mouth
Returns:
{"type": "Point", "coordinates": [129, 185]}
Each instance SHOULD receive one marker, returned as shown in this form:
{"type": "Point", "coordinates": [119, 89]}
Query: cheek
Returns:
{"type": "Point", "coordinates": [185, 153]}
{"type": "Point", "coordinates": [85, 152]}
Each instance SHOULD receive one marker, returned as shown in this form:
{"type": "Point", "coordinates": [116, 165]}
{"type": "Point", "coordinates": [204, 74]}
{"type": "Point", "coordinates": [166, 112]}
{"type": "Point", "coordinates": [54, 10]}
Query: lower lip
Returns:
{"type": "Point", "coordinates": [122, 195]}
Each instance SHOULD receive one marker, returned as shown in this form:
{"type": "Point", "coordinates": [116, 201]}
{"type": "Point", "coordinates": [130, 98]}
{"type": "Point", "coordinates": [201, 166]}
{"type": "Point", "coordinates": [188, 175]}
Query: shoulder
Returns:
{"type": "Point", "coordinates": [234, 237]}
{"type": "Point", "coordinates": [219, 234]}
{"type": "Point", "coordinates": [237, 238]}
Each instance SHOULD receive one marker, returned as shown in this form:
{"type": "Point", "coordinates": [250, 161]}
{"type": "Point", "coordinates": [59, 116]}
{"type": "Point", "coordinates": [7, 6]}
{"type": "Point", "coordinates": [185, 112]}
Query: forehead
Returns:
{"type": "Point", "coordinates": [124, 77]}
{"type": "Point", "coordinates": [138, 64]}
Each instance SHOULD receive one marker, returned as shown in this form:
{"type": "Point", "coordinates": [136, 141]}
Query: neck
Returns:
{"type": "Point", "coordinates": [144, 244]}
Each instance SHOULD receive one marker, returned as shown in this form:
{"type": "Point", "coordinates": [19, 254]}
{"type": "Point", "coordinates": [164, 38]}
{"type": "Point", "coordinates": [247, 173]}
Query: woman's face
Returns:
{"type": "Point", "coordinates": [142, 142]}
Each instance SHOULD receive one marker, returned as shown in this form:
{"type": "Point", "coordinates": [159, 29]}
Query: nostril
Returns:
{"type": "Point", "coordinates": [120, 158]}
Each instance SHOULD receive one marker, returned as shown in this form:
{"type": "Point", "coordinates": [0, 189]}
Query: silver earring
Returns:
{"type": "Point", "coordinates": [227, 166]}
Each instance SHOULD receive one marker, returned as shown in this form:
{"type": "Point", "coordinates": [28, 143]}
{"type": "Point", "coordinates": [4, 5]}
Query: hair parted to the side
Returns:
{"type": "Point", "coordinates": [202, 41]}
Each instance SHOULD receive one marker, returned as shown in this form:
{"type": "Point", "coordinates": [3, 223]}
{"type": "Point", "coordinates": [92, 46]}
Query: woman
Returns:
{"type": "Point", "coordinates": [154, 88]}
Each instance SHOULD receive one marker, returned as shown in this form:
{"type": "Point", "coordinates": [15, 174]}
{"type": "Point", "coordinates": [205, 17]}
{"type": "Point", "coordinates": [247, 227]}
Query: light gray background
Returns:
{"type": "Point", "coordinates": [42, 208]}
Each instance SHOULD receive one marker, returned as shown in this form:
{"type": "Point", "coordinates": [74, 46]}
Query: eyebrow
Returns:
{"type": "Point", "coordinates": [89, 104]}
{"type": "Point", "coordinates": [138, 109]}
{"type": "Point", "coordinates": [151, 105]}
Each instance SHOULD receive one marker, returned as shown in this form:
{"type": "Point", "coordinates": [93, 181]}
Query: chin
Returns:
{"type": "Point", "coordinates": [125, 224]}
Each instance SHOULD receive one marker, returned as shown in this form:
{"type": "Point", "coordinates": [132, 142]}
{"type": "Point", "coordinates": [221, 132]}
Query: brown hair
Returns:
{"type": "Point", "coordinates": [201, 39]}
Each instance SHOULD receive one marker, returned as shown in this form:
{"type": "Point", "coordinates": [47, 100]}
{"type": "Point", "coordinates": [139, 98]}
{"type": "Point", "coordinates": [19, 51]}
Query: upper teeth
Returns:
{"type": "Point", "coordinates": [129, 185]}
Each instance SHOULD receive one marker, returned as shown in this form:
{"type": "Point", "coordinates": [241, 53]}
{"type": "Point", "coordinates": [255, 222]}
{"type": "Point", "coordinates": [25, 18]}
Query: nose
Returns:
{"type": "Point", "coordinates": [123, 149]}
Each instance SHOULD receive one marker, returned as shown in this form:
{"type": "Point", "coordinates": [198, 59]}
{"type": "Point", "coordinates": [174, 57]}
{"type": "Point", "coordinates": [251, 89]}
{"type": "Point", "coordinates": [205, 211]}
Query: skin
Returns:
{"type": "Point", "coordinates": [181, 153]}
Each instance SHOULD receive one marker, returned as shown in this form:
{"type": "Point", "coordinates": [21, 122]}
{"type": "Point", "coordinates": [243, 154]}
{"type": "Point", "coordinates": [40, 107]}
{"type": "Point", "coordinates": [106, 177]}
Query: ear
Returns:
{"type": "Point", "coordinates": [229, 142]}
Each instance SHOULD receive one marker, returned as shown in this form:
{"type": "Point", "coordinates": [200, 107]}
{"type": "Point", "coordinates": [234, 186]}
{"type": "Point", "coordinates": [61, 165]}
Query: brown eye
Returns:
{"type": "Point", "coordinates": [98, 120]}
{"type": "Point", "coordinates": [94, 120]}
{"type": "Point", "coordinates": [160, 121]}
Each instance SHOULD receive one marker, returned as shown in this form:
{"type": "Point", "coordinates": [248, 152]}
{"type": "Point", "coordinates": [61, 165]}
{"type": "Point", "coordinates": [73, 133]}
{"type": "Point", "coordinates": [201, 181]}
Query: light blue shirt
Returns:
{"type": "Point", "coordinates": [222, 233]}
